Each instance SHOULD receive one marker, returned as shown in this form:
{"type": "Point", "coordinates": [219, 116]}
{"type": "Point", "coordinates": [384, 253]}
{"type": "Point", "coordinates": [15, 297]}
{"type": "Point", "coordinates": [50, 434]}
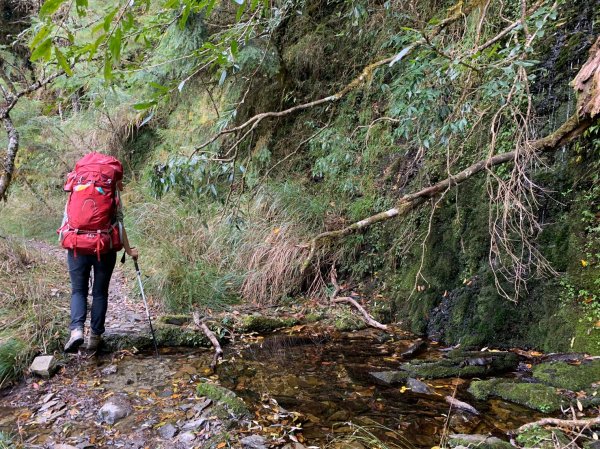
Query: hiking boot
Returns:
{"type": "Point", "coordinates": [93, 341]}
{"type": "Point", "coordinates": [75, 341]}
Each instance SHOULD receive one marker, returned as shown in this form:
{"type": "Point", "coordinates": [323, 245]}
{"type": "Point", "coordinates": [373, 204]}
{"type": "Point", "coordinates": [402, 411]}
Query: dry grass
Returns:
{"type": "Point", "coordinates": [33, 305]}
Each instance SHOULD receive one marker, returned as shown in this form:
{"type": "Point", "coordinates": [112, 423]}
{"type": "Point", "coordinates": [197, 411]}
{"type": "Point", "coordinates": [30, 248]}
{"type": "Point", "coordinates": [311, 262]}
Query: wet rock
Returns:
{"type": "Point", "coordinates": [193, 425]}
{"type": "Point", "coordinates": [464, 422]}
{"type": "Point", "coordinates": [416, 386]}
{"type": "Point", "coordinates": [223, 397]}
{"type": "Point", "coordinates": [417, 347]}
{"type": "Point", "coordinates": [463, 364]}
{"type": "Point", "coordinates": [110, 369]}
{"type": "Point", "coordinates": [390, 377]}
{"type": "Point", "coordinates": [340, 415]}
{"type": "Point", "coordinates": [477, 441]}
{"type": "Point", "coordinates": [254, 442]}
{"type": "Point", "coordinates": [167, 431]}
{"type": "Point", "coordinates": [43, 365]}
{"type": "Point", "coordinates": [460, 405]}
{"type": "Point", "coordinates": [570, 377]}
{"type": "Point", "coordinates": [63, 446]}
{"type": "Point", "coordinates": [116, 408]}
{"type": "Point", "coordinates": [540, 397]}
{"type": "Point", "coordinates": [186, 437]}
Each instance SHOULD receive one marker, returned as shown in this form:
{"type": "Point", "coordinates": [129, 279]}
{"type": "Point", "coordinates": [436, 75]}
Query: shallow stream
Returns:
{"type": "Point", "coordinates": [324, 378]}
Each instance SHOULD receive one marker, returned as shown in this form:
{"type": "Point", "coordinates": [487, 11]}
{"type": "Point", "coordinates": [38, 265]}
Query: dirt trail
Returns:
{"type": "Point", "coordinates": [126, 313]}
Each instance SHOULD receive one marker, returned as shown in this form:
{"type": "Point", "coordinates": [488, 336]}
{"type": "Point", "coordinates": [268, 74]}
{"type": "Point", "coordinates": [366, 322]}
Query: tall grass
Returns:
{"type": "Point", "coordinates": [198, 258]}
{"type": "Point", "coordinates": [33, 305]}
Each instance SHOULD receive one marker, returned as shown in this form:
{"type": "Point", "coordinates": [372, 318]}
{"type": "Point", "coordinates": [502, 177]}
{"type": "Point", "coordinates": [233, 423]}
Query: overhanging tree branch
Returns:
{"type": "Point", "coordinates": [572, 128]}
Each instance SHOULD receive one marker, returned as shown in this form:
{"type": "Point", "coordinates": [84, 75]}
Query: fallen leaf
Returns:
{"type": "Point", "coordinates": [220, 445]}
{"type": "Point", "coordinates": [584, 263]}
{"type": "Point", "coordinates": [579, 405]}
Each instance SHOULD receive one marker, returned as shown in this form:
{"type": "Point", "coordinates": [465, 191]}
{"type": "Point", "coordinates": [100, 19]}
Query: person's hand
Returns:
{"type": "Point", "coordinates": [133, 253]}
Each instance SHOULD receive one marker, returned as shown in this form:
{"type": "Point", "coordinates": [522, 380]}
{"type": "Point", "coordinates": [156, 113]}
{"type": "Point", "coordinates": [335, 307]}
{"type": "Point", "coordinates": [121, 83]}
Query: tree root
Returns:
{"type": "Point", "coordinates": [569, 423]}
{"type": "Point", "coordinates": [199, 322]}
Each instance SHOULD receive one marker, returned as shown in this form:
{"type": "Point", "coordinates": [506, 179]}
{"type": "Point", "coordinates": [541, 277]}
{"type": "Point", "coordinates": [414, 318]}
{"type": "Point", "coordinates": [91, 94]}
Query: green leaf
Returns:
{"type": "Point", "coordinates": [223, 77]}
{"type": "Point", "coordinates": [234, 48]}
{"type": "Point", "coordinates": [42, 51]}
{"type": "Point", "coordinates": [62, 61]}
{"type": "Point", "coordinates": [49, 7]}
{"type": "Point", "coordinates": [159, 87]}
{"type": "Point", "coordinates": [114, 44]}
{"type": "Point", "coordinates": [40, 36]}
{"type": "Point", "coordinates": [108, 19]}
{"type": "Point", "coordinates": [184, 16]}
{"type": "Point", "coordinates": [144, 105]}
{"type": "Point", "coordinates": [81, 6]}
{"type": "Point", "coordinates": [240, 10]}
{"type": "Point", "coordinates": [108, 75]}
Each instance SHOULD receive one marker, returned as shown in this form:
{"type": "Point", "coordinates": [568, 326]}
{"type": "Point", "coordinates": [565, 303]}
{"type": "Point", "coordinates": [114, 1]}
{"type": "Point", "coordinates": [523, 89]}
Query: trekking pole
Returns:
{"type": "Point", "coordinates": [139, 278]}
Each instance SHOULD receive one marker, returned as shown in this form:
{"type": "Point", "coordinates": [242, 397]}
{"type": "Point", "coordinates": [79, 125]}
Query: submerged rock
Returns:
{"type": "Point", "coordinates": [43, 365]}
{"type": "Point", "coordinates": [417, 347]}
{"type": "Point", "coordinates": [116, 408]}
{"type": "Point", "coordinates": [477, 441]}
{"type": "Point", "coordinates": [416, 386]}
{"type": "Point", "coordinates": [540, 397]}
{"type": "Point", "coordinates": [390, 377]}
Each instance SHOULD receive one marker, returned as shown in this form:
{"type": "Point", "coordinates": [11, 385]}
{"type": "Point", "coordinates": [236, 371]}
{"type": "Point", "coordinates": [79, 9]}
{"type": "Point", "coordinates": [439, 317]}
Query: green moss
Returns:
{"type": "Point", "coordinates": [314, 317]}
{"type": "Point", "coordinates": [538, 437]}
{"type": "Point", "coordinates": [462, 365]}
{"type": "Point", "coordinates": [534, 396]}
{"type": "Point", "coordinates": [224, 397]}
{"type": "Point", "coordinates": [264, 324]}
{"type": "Point", "coordinates": [571, 377]}
{"type": "Point", "coordinates": [177, 320]}
{"type": "Point", "coordinates": [346, 321]}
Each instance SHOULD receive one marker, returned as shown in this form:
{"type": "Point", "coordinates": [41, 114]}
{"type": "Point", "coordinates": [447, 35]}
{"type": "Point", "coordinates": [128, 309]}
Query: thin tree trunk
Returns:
{"type": "Point", "coordinates": [11, 153]}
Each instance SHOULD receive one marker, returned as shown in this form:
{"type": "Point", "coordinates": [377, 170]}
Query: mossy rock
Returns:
{"type": "Point", "coordinates": [349, 323]}
{"type": "Point", "coordinates": [264, 324]}
{"type": "Point", "coordinates": [166, 335]}
{"type": "Point", "coordinates": [477, 441]}
{"type": "Point", "coordinates": [570, 377]}
{"type": "Point", "coordinates": [177, 320]}
{"type": "Point", "coordinates": [464, 364]}
{"type": "Point", "coordinates": [538, 437]}
{"type": "Point", "coordinates": [224, 398]}
{"type": "Point", "coordinates": [540, 397]}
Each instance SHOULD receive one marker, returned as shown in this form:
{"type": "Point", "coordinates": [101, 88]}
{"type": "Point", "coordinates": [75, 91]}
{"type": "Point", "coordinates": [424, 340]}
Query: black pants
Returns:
{"type": "Point", "coordinates": [79, 270]}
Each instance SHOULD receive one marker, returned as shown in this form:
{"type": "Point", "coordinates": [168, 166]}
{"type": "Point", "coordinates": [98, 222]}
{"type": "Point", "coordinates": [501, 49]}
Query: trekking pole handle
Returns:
{"type": "Point", "coordinates": [137, 267]}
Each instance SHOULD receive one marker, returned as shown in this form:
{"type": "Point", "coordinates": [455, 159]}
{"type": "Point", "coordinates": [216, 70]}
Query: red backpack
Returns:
{"type": "Point", "coordinates": [89, 226]}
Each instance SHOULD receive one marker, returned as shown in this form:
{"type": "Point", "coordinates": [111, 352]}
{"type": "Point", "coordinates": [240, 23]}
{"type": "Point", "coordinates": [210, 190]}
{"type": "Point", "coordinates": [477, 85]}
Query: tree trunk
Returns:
{"type": "Point", "coordinates": [11, 154]}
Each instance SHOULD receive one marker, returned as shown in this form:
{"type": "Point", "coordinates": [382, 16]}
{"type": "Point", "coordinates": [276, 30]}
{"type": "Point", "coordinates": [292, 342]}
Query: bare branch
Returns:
{"type": "Point", "coordinates": [569, 423]}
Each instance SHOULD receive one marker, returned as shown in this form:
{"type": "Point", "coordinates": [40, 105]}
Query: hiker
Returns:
{"type": "Point", "coordinates": [93, 232]}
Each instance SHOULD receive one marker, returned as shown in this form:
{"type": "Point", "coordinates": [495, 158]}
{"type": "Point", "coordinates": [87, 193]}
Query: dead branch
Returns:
{"type": "Point", "coordinates": [569, 423]}
{"type": "Point", "coordinates": [199, 322]}
{"type": "Point", "coordinates": [460, 405]}
{"type": "Point", "coordinates": [572, 128]}
{"type": "Point", "coordinates": [348, 300]}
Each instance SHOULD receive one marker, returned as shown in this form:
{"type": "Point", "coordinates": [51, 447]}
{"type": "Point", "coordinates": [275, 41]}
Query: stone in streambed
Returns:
{"type": "Point", "coordinates": [186, 437]}
{"type": "Point", "coordinates": [167, 431]}
{"type": "Point", "coordinates": [43, 365]}
{"type": "Point", "coordinates": [390, 377]}
{"type": "Point", "coordinates": [570, 377]}
{"type": "Point", "coordinates": [416, 386]}
{"type": "Point", "coordinates": [114, 409]}
{"type": "Point", "coordinates": [477, 441]}
{"type": "Point", "coordinates": [540, 397]}
{"type": "Point", "coordinates": [462, 364]}
{"type": "Point", "coordinates": [417, 347]}
{"type": "Point", "coordinates": [254, 442]}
